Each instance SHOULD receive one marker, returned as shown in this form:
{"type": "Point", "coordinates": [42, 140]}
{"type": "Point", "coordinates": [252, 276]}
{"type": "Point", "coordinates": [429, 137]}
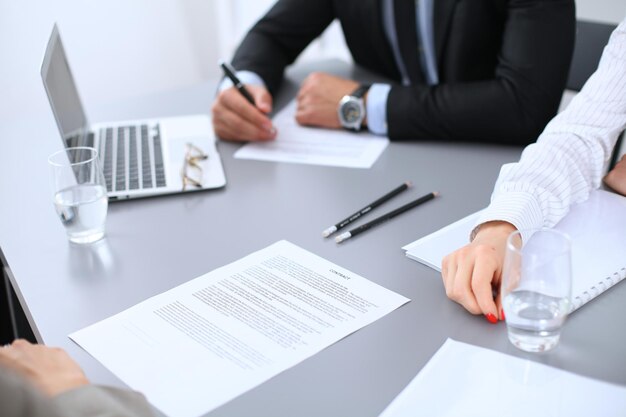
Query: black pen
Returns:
{"type": "Point", "coordinates": [230, 73]}
{"type": "Point", "coordinates": [367, 209]}
{"type": "Point", "coordinates": [385, 217]}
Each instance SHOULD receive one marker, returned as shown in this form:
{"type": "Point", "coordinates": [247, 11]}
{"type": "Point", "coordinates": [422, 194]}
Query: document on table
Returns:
{"type": "Point", "coordinates": [462, 380]}
{"type": "Point", "coordinates": [203, 343]}
{"type": "Point", "coordinates": [316, 146]}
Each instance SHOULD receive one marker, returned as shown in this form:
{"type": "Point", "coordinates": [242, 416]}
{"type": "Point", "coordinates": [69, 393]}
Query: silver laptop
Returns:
{"type": "Point", "coordinates": [139, 158]}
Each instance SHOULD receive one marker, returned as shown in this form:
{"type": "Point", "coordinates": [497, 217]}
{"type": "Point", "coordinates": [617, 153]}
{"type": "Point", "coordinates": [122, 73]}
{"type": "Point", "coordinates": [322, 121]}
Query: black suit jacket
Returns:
{"type": "Point", "coordinates": [502, 64]}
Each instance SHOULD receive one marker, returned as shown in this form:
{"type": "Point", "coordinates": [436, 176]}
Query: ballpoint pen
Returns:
{"type": "Point", "coordinates": [229, 71]}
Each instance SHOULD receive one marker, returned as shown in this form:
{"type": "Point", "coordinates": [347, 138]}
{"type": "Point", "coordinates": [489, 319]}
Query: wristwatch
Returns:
{"type": "Point", "coordinates": [351, 108]}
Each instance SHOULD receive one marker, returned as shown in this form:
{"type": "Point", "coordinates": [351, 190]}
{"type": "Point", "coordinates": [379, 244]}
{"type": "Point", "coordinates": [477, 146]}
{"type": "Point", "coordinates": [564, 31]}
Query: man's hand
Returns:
{"type": "Point", "coordinates": [50, 370]}
{"type": "Point", "coordinates": [234, 118]}
{"type": "Point", "coordinates": [319, 97]}
{"type": "Point", "coordinates": [472, 273]}
{"type": "Point", "coordinates": [616, 178]}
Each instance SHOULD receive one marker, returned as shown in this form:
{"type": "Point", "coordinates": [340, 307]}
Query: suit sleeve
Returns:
{"type": "Point", "coordinates": [98, 401]}
{"type": "Point", "coordinates": [277, 39]}
{"type": "Point", "coordinates": [511, 108]}
{"type": "Point", "coordinates": [18, 398]}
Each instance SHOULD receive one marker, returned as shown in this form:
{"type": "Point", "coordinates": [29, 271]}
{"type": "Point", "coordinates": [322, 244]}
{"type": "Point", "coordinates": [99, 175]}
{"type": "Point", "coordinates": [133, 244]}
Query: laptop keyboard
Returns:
{"type": "Point", "coordinates": [132, 157]}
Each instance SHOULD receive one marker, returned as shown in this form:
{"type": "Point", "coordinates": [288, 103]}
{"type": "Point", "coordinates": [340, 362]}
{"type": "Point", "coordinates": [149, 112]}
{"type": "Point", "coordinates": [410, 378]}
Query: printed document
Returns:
{"type": "Point", "coordinates": [462, 380]}
{"type": "Point", "coordinates": [316, 146]}
{"type": "Point", "coordinates": [203, 343]}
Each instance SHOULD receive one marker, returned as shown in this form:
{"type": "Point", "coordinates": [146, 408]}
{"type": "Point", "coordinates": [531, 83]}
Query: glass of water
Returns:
{"type": "Point", "coordinates": [80, 195]}
{"type": "Point", "coordinates": [536, 288]}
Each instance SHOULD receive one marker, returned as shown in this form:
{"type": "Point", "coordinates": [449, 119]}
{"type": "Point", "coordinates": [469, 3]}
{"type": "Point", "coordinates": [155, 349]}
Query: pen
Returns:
{"type": "Point", "coordinates": [230, 73]}
{"type": "Point", "coordinates": [385, 217]}
{"type": "Point", "coordinates": [367, 209]}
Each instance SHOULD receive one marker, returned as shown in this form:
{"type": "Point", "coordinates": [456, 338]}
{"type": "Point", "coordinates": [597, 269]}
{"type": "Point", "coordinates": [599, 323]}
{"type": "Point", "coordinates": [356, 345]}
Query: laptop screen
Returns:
{"type": "Point", "coordinates": [62, 92]}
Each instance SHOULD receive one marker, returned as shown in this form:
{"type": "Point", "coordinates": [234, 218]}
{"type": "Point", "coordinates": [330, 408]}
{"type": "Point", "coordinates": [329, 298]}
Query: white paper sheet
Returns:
{"type": "Point", "coordinates": [201, 344]}
{"type": "Point", "coordinates": [308, 145]}
{"type": "Point", "coordinates": [462, 380]}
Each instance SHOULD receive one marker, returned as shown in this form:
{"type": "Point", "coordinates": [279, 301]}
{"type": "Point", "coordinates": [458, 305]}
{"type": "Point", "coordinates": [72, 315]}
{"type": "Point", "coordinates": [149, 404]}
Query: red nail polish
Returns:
{"type": "Point", "coordinates": [491, 318]}
{"type": "Point", "coordinates": [502, 315]}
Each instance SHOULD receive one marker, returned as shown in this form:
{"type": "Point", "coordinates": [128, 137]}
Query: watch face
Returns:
{"type": "Point", "coordinates": [351, 112]}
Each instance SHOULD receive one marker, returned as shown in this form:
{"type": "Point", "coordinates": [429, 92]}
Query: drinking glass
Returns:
{"type": "Point", "coordinates": [80, 195]}
{"type": "Point", "coordinates": [536, 288]}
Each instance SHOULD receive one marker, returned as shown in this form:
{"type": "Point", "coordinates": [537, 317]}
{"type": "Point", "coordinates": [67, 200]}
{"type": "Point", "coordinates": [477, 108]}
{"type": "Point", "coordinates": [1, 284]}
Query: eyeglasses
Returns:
{"type": "Point", "coordinates": [191, 171]}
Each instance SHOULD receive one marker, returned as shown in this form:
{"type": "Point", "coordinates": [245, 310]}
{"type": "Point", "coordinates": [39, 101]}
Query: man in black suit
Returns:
{"type": "Point", "coordinates": [463, 70]}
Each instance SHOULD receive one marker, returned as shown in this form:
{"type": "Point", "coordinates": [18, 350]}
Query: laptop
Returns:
{"type": "Point", "coordinates": [139, 158]}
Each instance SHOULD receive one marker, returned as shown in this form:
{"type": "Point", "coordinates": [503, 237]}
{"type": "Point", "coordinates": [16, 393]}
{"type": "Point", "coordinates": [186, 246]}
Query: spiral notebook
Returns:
{"type": "Point", "coordinates": [598, 231]}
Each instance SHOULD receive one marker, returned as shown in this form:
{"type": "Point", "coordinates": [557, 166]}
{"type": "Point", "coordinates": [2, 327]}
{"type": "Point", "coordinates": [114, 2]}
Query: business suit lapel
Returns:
{"type": "Point", "coordinates": [371, 10]}
{"type": "Point", "coordinates": [442, 17]}
{"type": "Point", "coordinates": [406, 31]}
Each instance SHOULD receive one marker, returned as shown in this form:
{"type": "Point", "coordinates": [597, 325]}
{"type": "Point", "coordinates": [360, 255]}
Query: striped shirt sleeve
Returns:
{"type": "Point", "coordinates": [571, 155]}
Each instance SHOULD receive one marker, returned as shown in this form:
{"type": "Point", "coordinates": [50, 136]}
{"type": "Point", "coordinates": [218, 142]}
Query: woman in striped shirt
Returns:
{"type": "Point", "coordinates": [568, 161]}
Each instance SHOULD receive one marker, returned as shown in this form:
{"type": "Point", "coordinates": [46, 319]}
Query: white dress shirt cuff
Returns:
{"type": "Point", "coordinates": [377, 108]}
{"type": "Point", "coordinates": [246, 77]}
{"type": "Point", "coordinates": [521, 209]}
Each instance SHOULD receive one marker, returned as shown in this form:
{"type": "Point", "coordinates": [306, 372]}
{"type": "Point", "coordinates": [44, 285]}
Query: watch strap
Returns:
{"type": "Point", "coordinates": [360, 91]}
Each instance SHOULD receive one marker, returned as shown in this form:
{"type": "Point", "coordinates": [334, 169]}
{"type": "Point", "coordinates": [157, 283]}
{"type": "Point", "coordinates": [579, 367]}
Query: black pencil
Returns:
{"type": "Point", "coordinates": [382, 219]}
{"type": "Point", "coordinates": [367, 209]}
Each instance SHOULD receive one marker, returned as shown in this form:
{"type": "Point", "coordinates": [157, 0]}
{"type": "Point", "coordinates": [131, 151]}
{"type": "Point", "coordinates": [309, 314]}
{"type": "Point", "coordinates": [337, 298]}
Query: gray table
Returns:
{"type": "Point", "coordinates": [155, 244]}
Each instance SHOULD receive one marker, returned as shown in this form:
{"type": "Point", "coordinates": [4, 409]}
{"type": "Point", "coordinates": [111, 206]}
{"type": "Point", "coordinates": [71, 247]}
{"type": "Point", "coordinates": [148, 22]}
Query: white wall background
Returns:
{"type": "Point", "coordinates": [120, 48]}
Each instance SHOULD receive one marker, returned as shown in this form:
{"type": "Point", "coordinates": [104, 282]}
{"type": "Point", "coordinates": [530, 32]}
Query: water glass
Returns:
{"type": "Point", "coordinates": [80, 195]}
{"type": "Point", "coordinates": [536, 288]}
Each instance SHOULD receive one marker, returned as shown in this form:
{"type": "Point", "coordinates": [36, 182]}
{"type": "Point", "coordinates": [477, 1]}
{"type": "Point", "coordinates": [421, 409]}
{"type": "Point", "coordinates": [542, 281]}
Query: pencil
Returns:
{"type": "Point", "coordinates": [366, 209]}
{"type": "Point", "coordinates": [382, 219]}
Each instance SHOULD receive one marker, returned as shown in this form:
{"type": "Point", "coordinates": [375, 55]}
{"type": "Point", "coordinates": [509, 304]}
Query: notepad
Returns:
{"type": "Point", "coordinates": [598, 231]}
{"type": "Point", "coordinates": [469, 381]}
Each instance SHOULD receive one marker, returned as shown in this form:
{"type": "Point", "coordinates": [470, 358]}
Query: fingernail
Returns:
{"type": "Point", "coordinates": [491, 318]}
{"type": "Point", "coordinates": [502, 315]}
